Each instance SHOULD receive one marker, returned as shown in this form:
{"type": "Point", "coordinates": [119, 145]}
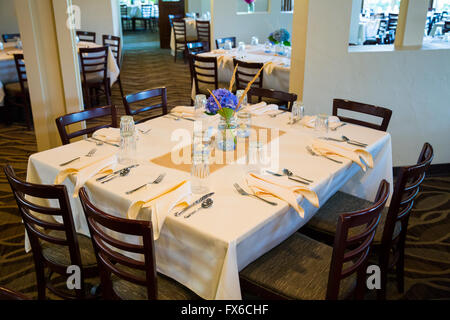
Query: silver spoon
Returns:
{"type": "Point", "coordinates": [289, 173]}
{"type": "Point", "coordinates": [205, 205]}
{"type": "Point", "coordinates": [122, 173]}
{"type": "Point", "coordinates": [361, 144]}
{"type": "Point", "coordinates": [97, 143]}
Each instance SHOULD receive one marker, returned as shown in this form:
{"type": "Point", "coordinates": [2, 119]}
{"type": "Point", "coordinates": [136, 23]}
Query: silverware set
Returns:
{"type": "Point", "coordinates": [105, 142]}
{"type": "Point", "coordinates": [90, 154]}
{"type": "Point", "coordinates": [144, 132]}
{"type": "Point", "coordinates": [347, 140]}
{"type": "Point", "coordinates": [291, 176]}
{"type": "Point", "coordinates": [278, 114]}
{"type": "Point", "coordinates": [246, 194]}
{"type": "Point", "coordinates": [156, 181]}
{"type": "Point", "coordinates": [339, 126]}
{"type": "Point", "coordinates": [205, 201]}
{"type": "Point", "coordinates": [177, 118]}
{"type": "Point", "coordinates": [120, 173]}
{"type": "Point", "coordinates": [312, 152]}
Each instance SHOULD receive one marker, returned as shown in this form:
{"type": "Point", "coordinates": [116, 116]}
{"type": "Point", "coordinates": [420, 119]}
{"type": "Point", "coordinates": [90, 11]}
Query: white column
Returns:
{"type": "Point", "coordinates": [411, 24]}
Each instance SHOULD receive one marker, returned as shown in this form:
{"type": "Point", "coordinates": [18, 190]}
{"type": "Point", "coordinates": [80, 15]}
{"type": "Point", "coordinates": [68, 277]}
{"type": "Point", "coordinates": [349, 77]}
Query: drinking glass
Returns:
{"type": "Point", "coordinates": [1, 46]}
{"type": "Point", "coordinates": [280, 49]}
{"type": "Point", "coordinates": [268, 47]}
{"type": "Point", "coordinates": [228, 45]}
{"type": "Point", "coordinates": [244, 124]}
{"type": "Point", "coordinates": [241, 49]}
{"type": "Point", "coordinates": [127, 152]}
{"type": "Point", "coordinates": [321, 125]}
{"type": "Point", "coordinates": [239, 94]}
{"type": "Point", "coordinates": [200, 104]}
{"type": "Point", "coordinates": [255, 41]}
{"type": "Point", "coordinates": [298, 112]}
{"type": "Point", "coordinates": [200, 170]}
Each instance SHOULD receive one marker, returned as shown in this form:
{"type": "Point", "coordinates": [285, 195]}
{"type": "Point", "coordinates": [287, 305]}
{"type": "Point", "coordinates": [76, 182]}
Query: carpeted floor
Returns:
{"type": "Point", "coordinates": [146, 66]}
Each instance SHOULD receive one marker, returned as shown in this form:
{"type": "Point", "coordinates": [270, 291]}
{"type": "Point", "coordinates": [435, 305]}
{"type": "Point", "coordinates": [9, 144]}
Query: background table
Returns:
{"type": "Point", "coordinates": [8, 72]}
{"type": "Point", "coordinates": [191, 32]}
{"type": "Point", "coordinates": [207, 251]}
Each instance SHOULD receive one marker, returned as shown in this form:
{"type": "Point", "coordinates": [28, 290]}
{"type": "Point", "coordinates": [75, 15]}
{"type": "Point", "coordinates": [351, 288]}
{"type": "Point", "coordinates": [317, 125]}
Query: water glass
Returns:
{"type": "Point", "coordinates": [241, 49]}
{"type": "Point", "coordinates": [239, 95]}
{"type": "Point", "coordinates": [321, 125]}
{"type": "Point", "coordinates": [200, 104]}
{"type": "Point", "coordinates": [255, 41]}
{"type": "Point", "coordinates": [298, 111]}
{"type": "Point", "coordinates": [280, 49]}
{"type": "Point", "coordinates": [244, 124]}
{"type": "Point", "coordinates": [228, 45]}
{"type": "Point", "coordinates": [268, 47]}
{"type": "Point", "coordinates": [127, 152]}
{"type": "Point", "coordinates": [201, 150]}
{"type": "Point", "coordinates": [1, 46]}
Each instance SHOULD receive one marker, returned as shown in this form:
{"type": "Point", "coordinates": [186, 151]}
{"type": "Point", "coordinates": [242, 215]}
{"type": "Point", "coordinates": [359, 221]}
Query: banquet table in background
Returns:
{"type": "Point", "coordinates": [191, 32]}
{"type": "Point", "coordinates": [368, 28]}
{"type": "Point", "coordinates": [206, 252]}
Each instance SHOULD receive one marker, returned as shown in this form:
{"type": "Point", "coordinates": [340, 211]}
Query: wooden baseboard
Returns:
{"type": "Point", "coordinates": [435, 170]}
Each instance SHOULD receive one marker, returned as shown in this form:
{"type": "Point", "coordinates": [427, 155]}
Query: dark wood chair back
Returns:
{"type": "Point", "coordinates": [94, 63]}
{"type": "Point", "coordinates": [141, 97]}
{"type": "Point", "coordinates": [123, 10]}
{"type": "Point", "coordinates": [379, 16]}
{"type": "Point", "coordinates": [204, 70]}
{"type": "Point", "coordinates": [174, 17]}
{"type": "Point", "coordinates": [197, 47]}
{"type": "Point", "coordinates": [204, 32]}
{"type": "Point", "coordinates": [114, 43]}
{"type": "Point", "coordinates": [406, 190]}
{"type": "Point", "coordinates": [6, 294]}
{"type": "Point", "coordinates": [22, 75]}
{"type": "Point", "coordinates": [99, 112]}
{"type": "Point", "coordinates": [87, 36]}
{"type": "Point", "coordinates": [350, 254]}
{"type": "Point", "coordinates": [221, 42]}
{"type": "Point", "coordinates": [380, 112]}
{"type": "Point", "coordinates": [11, 37]}
{"type": "Point", "coordinates": [284, 99]}
{"type": "Point", "coordinates": [146, 10]}
{"type": "Point", "coordinates": [106, 248]}
{"type": "Point", "coordinates": [179, 30]}
{"type": "Point", "coordinates": [38, 228]}
{"type": "Point", "coordinates": [246, 71]}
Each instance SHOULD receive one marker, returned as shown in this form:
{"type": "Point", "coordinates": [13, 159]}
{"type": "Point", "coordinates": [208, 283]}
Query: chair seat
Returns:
{"type": "Point", "coordinates": [60, 254]}
{"type": "Point", "coordinates": [168, 289]}
{"type": "Point", "coordinates": [14, 89]}
{"type": "Point", "coordinates": [325, 220]}
{"type": "Point", "coordinates": [297, 269]}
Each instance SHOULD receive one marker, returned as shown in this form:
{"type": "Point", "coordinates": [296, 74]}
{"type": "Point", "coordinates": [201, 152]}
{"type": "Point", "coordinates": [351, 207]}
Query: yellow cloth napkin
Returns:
{"type": "Point", "coordinates": [218, 51]}
{"type": "Point", "coordinates": [85, 168]}
{"type": "Point", "coordinates": [161, 203]}
{"type": "Point", "coordinates": [327, 148]}
{"type": "Point", "coordinates": [262, 108]}
{"type": "Point", "coordinates": [108, 134]}
{"type": "Point", "coordinates": [281, 189]}
{"type": "Point", "coordinates": [181, 111]}
{"type": "Point", "coordinates": [271, 65]}
{"type": "Point", "coordinates": [310, 121]}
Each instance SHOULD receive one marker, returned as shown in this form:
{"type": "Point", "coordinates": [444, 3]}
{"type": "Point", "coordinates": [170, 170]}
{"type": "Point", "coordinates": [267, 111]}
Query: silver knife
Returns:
{"type": "Point", "coordinates": [195, 203]}
{"type": "Point", "coordinates": [106, 142]}
{"type": "Point", "coordinates": [116, 172]}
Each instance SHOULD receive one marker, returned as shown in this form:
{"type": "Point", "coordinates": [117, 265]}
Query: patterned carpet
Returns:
{"type": "Point", "coordinates": [146, 66]}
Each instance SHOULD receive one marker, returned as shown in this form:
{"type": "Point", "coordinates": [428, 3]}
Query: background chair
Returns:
{"type": "Point", "coordinates": [91, 114]}
{"type": "Point", "coordinates": [127, 23]}
{"type": "Point", "coordinates": [245, 73]}
{"type": "Point", "coordinates": [204, 74]}
{"type": "Point", "coordinates": [174, 17]}
{"type": "Point", "coordinates": [146, 10]}
{"type": "Point", "coordinates": [114, 43]}
{"type": "Point", "coordinates": [141, 99]}
{"type": "Point", "coordinates": [17, 94]}
{"type": "Point", "coordinates": [11, 37]}
{"type": "Point", "coordinates": [123, 277]}
{"type": "Point", "coordinates": [221, 42]}
{"type": "Point", "coordinates": [304, 269]}
{"type": "Point", "coordinates": [87, 36]}
{"type": "Point", "coordinates": [181, 39]}
{"type": "Point", "coordinates": [6, 294]}
{"type": "Point", "coordinates": [204, 33]}
{"type": "Point", "coordinates": [55, 246]}
{"type": "Point", "coordinates": [94, 72]}
{"type": "Point", "coordinates": [197, 47]}
{"type": "Point", "coordinates": [389, 241]}
{"type": "Point", "coordinates": [284, 99]}
{"type": "Point", "coordinates": [380, 112]}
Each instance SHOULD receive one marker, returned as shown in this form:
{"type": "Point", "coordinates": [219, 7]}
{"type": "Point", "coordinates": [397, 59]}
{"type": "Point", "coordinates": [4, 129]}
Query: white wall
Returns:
{"type": "Point", "coordinates": [200, 6]}
{"type": "Point", "coordinates": [414, 84]}
{"type": "Point", "coordinates": [8, 20]}
{"type": "Point", "coordinates": [227, 23]}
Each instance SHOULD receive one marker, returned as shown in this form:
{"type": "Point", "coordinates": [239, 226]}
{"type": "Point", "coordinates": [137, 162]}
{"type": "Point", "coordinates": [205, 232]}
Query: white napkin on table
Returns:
{"type": "Point", "coordinates": [108, 134]}
{"type": "Point", "coordinates": [329, 149]}
{"type": "Point", "coordinates": [182, 111]}
{"type": "Point", "coordinates": [310, 121]}
{"type": "Point", "coordinates": [286, 190]}
{"type": "Point", "coordinates": [161, 202]}
{"type": "Point", "coordinates": [262, 108]}
{"type": "Point", "coordinates": [86, 168]}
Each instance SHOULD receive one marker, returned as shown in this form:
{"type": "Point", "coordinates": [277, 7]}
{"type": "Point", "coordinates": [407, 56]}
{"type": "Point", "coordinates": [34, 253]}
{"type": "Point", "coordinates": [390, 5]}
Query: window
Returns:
{"type": "Point", "coordinates": [371, 7]}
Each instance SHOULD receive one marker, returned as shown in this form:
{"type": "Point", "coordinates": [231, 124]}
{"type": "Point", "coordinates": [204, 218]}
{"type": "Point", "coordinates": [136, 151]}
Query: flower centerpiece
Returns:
{"type": "Point", "coordinates": [224, 103]}
{"type": "Point", "coordinates": [280, 36]}
{"type": "Point", "coordinates": [251, 5]}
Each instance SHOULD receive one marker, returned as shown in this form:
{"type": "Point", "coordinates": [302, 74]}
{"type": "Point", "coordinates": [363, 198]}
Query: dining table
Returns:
{"type": "Point", "coordinates": [207, 251]}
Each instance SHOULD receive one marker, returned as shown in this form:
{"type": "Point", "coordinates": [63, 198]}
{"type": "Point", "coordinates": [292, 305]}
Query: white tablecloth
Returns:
{"type": "Point", "coordinates": [134, 11]}
{"type": "Point", "coordinates": [207, 251]}
{"type": "Point", "coordinates": [191, 32]}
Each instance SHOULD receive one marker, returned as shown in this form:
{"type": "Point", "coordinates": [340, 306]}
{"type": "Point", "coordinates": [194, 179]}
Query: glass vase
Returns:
{"type": "Point", "coordinates": [251, 7]}
{"type": "Point", "coordinates": [226, 134]}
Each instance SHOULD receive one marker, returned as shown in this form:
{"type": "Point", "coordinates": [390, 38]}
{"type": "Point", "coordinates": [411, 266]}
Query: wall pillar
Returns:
{"type": "Point", "coordinates": [411, 24]}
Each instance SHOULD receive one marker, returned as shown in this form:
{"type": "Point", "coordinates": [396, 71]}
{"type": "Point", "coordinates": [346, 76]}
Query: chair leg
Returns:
{"type": "Point", "coordinates": [108, 93]}
{"type": "Point", "coordinates": [28, 116]}
{"type": "Point", "coordinates": [176, 52]}
{"type": "Point", "coordinates": [120, 87]}
{"type": "Point", "coordinates": [384, 265]}
{"type": "Point", "coordinates": [400, 269]}
{"type": "Point", "coordinates": [40, 279]}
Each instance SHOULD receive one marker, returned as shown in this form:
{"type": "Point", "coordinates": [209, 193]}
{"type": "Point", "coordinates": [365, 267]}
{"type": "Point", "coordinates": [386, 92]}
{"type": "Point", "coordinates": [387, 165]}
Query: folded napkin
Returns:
{"type": "Point", "coordinates": [328, 149]}
{"type": "Point", "coordinates": [262, 108]}
{"type": "Point", "coordinates": [161, 202]}
{"type": "Point", "coordinates": [13, 52]}
{"type": "Point", "coordinates": [183, 111]}
{"type": "Point", "coordinates": [219, 51]}
{"type": "Point", "coordinates": [286, 190]}
{"type": "Point", "coordinates": [108, 134]}
{"type": "Point", "coordinates": [310, 121]}
{"type": "Point", "coordinates": [271, 65]}
{"type": "Point", "coordinates": [85, 168]}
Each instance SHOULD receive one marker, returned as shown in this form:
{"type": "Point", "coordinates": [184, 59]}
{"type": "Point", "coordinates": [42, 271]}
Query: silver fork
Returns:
{"type": "Point", "coordinates": [157, 181]}
{"type": "Point", "coordinates": [276, 115]}
{"type": "Point", "coordinates": [89, 155]}
{"type": "Point", "coordinates": [311, 151]}
{"type": "Point", "coordinates": [244, 193]}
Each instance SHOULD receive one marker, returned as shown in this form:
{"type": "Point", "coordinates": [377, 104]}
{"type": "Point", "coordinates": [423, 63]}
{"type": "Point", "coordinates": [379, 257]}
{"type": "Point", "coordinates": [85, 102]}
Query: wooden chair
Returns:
{"type": "Point", "coordinates": [391, 235]}
{"type": "Point", "coordinates": [246, 71]}
{"type": "Point", "coordinates": [204, 74]}
{"type": "Point", "coordinates": [6, 294]}
{"type": "Point", "coordinates": [283, 99]}
{"type": "Point", "coordinates": [11, 37]}
{"type": "Point", "coordinates": [304, 269]}
{"type": "Point", "coordinates": [94, 113]}
{"type": "Point", "coordinates": [197, 47]}
{"type": "Point", "coordinates": [380, 112]}
{"type": "Point", "coordinates": [181, 39]}
{"type": "Point", "coordinates": [55, 245]}
{"type": "Point", "coordinates": [204, 33]}
{"type": "Point", "coordinates": [94, 71]}
{"type": "Point", "coordinates": [146, 10]}
{"type": "Point", "coordinates": [17, 94]}
{"type": "Point", "coordinates": [123, 277]}
{"type": "Point", "coordinates": [87, 36]}
{"type": "Point", "coordinates": [126, 19]}
{"type": "Point", "coordinates": [115, 44]}
{"type": "Point", "coordinates": [141, 98]}
{"type": "Point", "coordinates": [174, 17]}
{"type": "Point", "coordinates": [221, 42]}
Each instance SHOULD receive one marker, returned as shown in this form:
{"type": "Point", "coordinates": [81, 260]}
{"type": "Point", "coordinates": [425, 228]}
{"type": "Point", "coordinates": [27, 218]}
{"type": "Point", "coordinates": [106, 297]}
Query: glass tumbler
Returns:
{"type": "Point", "coordinates": [239, 95]}
{"type": "Point", "coordinates": [127, 153]}
{"type": "Point", "coordinates": [321, 125]}
{"type": "Point", "coordinates": [298, 112]}
{"type": "Point", "coordinates": [201, 150]}
{"type": "Point", "coordinates": [228, 45]}
{"type": "Point", "coordinates": [244, 124]}
{"type": "Point", "coordinates": [255, 41]}
{"type": "Point", "coordinates": [268, 47]}
{"type": "Point", "coordinates": [200, 104]}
